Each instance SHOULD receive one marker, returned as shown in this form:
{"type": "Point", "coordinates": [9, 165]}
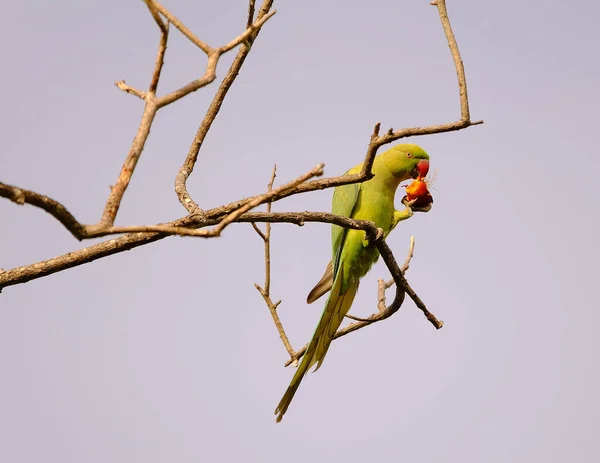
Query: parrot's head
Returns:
{"type": "Point", "coordinates": [406, 161]}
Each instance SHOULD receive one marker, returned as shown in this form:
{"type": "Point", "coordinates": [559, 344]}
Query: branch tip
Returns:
{"type": "Point", "coordinates": [376, 129]}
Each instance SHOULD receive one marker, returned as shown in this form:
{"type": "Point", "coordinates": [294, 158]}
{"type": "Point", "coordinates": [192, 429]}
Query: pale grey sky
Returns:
{"type": "Point", "coordinates": [167, 352]}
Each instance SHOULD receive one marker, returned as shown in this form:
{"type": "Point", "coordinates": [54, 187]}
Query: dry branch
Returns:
{"type": "Point", "coordinates": [265, 291]}
{"type": "Point", "coordinates": [56, 209]}
{"type": "Point", "coordinates": [190, 161]}
{"type": "Point", "coordinates": [196, 218]}
{"type": "Point", "coordinates": [152, 105]}
{"type": "Point", "coordinates": [375, 236]}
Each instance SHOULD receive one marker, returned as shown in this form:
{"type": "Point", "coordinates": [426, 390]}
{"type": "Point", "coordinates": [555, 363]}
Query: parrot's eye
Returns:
{"type": "Point", "coordinates": [408, 154]}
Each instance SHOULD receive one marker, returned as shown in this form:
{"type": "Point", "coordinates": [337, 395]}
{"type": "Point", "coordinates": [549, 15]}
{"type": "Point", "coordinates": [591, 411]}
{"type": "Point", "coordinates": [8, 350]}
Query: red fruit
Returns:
{"type": "Point", "coordinates": [418, 191]}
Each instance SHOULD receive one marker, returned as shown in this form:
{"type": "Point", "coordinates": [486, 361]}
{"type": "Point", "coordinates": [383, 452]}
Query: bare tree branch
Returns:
{"type": "Point", "coordinates": [378, 141]}
{"type": "Point", "coordinates": [224, 222]}
{"type": "Point", "coordinates": [114, 246]}
{"type": "Point", "coordinates": [56, 209]}
{"type": "Point", "coordinates": [121, 85]}
{"type": "Point", "coordinates": [118, 189]}
{"type": "Point", "coordinates": [138, 236]}
{"type": "Point", "coordinates": [458, 64]}
{"type": "Point", "coordinates": [185, 226]}
{"type": "Point", "coordinates": [259, 231]}
{"type": "Point", "coordinates": [251, 6]}
{"type": "Point", "coordinates": [402, 284]}
{"type": "Point", "coordinates": [267, 197]}
{"type": "Point", "coordinates": [197, 218]}
{"type": "Point", "coordinates": [265, 291]}
{"type": "Point", "coordinates": [190, 161]}
{"type": "Point", "coordinates": [154, 5]}
{"type": "Point", "coordinates": [210, 74]}
{"type": "Point", "coordinates": [160, 59]}
{"type": "Point", "coordinates": [154, 12]}
{"type": "Point", "coordinates": [152, 105]}
{"type": "Point", "coordinates": [382, 285]}
{"type": "Point", "coordinates": [21, 197]}
{"type": "Point", "coordinates": [251, 31]}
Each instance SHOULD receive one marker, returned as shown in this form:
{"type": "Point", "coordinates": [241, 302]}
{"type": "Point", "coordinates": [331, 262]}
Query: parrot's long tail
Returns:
{"type": "Point", "coordinates": [336, 308]}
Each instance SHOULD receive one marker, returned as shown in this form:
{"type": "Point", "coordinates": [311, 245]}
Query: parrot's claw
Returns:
{"type": "Point", "coordinates": [371, 238]}
{"type": "Point", "coordinates": [409, 204]}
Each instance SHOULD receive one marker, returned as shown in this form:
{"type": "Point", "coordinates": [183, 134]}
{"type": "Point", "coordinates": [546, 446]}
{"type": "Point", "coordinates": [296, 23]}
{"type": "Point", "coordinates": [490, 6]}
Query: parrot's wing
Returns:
{"type": "Point", "coordinates": [345, 199]}
{"type": "Point", "coordinates": [324, 285]}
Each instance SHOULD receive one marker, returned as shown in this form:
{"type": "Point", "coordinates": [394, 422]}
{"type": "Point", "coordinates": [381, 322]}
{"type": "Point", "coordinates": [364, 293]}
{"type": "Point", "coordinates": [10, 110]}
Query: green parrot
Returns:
{"type": "Point", "coordinates": [352, 254]}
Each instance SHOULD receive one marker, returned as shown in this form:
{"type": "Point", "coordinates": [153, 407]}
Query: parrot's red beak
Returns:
{"type": "Point", "coordinates": [422, 168]}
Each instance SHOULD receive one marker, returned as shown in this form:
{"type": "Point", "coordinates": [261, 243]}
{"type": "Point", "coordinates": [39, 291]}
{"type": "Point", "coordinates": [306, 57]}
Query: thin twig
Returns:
{"type": "Point", "coordinates": [154, 12]}
{"type": "Point", "coordinates": [258, 230]}
{"type": "Point", "coordinates": [135, 151]}
{"type": "Point", "coordinates": [267, 197]}
{"type": "Point", "coordinates": [160, 59]}
{"type": "Point", "coordinates": [121, 85]}
{"type": "Point", "coordinates": [224, 222]}
{"type": "Point", "coordinates": [378, 141]}
{"type": "Point", "coordinates": [152, 104]}
{"type": "Point", "coordinates": [117, 190]}
{"type": "Point", "coordinates": [273, 310]}
{"type": "Point", "coordinates": [382, 285]}
{"type": "Point", "coordinates": [388, 284]}
{"type": "Point", "coordinates": [402, 284]}
{"type": "Point", "coordinates": [382, 315]}
{"type": "Point", "coordinates": [265, 291]}
{"type": "Point", "coordinates": [190, 161]}
{"type": "Point", "coordinates": [411, 252]}
{"type": "Point", "coordinates": [251, 6]}
{"type": "Point", "coordinates": [182, 28]}
{"type": "Point", "coordinates": [267, 287]}
{"type": "Point", "coordinates": [458, 64]}
{"type": "Point", "coordinates": [247, 33]}
{"type": "Point", "coordinates": [210, 73]}
{"type": "Point", "coordinates": [56, 209]}
{"type": "Point", "coordinates": [139, 236]}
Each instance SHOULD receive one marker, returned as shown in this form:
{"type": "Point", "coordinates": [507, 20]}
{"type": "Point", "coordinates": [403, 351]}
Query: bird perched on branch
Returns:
{"type": "Point", "coordinates": [352, 254]}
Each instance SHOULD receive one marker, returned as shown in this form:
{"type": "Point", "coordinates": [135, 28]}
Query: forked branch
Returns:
{"type": "Point", "coordinates": [375, 236]}
{"type": "Point", "coordinates": [152, 104]}
{"type": "Point", "coordinates": [192, 157]}
{"type": "Point", "coordinates": [197, 218]}
{"type": "Point", "coordinates": [265, 291]}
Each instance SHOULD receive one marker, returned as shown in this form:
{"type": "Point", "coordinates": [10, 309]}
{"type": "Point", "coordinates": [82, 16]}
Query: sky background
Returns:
{"type": "Point", "coordinates": [168, 353]}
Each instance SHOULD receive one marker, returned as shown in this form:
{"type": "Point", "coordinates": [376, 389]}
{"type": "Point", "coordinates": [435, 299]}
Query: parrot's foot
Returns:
{"type": "Point", "coordinates": [373, 237]}
{"type": "Point", "coordinates": [417, 208]}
